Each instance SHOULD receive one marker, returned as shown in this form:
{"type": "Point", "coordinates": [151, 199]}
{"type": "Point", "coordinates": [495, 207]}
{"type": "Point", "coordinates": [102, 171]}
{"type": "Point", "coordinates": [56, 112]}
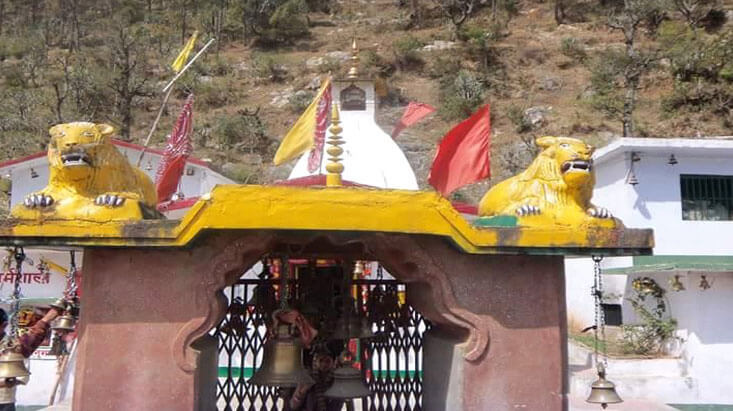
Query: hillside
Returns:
{"type": "Point", "coordinates": [540, 77]}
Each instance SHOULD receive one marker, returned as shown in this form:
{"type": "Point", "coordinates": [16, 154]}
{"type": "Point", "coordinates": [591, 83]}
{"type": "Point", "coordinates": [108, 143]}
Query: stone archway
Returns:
{"type": "Point", "coordinates": [157, 302]}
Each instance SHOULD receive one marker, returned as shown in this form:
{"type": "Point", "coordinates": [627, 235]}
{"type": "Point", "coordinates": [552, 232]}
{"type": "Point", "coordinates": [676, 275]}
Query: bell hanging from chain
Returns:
{"type": "Point", "coordinates": [603, 391]}
{"type": "Point", "coordinates": [64, 324]}
{"type": "Point", "coordinates": [352, 325]}
{"type": "Point", "coordinates": [12, 365]}
{"type": "Point", "coordinates": [347, 383]}
{"type": "Point", "coordinates": [282, 362]}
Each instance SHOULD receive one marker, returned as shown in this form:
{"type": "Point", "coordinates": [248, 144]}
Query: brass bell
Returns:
{"type": "Point", "coordinates": [603, 391]}
{"type": "Point", "coordinates": [12, 365]}
{"type": "Point", "coordinates": [347, 383]}
{"type": "Point", "coordinates": [352, 326]}
{"type": "Point", "coordinates": [64, 324]}
{"type": "Point", "coordinates": [282, 362]}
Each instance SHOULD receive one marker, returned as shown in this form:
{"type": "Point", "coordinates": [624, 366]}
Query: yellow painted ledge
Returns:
{"type": "Point", "coordinates": [239, 207]}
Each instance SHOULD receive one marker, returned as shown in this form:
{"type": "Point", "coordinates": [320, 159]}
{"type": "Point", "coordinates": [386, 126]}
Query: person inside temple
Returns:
{"type": "Point", "coordinates": [26, 344]}
{"type": "Point", "coordinates": [309, 397]}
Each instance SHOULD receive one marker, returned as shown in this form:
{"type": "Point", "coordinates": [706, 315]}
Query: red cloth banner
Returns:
{"type": "Point", "coordinates": [413, 113]}
{"type": "Point", "coordinates": [463, 154]}
{"type": "Point", "coordinates": [322, 116]}
{"type": "Point", "coordinates": [176, 153]}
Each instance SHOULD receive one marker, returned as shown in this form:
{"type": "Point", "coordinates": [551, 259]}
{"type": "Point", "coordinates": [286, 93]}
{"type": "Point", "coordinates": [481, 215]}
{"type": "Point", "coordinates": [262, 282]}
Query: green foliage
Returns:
{"type": "Point", "coordinates": [520, 121]}
{"type": "Point", "coordinates": [268, 68]}
{"type": "Point", "coordinates": [701, 67]}
{"type": "Point", "coordinates": [244, 132]}
{"type": "Point", "coordinates": [606, 82]}
{"type": "Point", "coordinates": [648, 302]}
{"type": "Point", "coordinates": [298, 102]}
{"type": "Point", "coordinates": [574, 49]}
{"type": "Point", "coordinates": [461, 94]}
{"type": "Point", "coordinates": [407, 52]}
{"type": "Point", "coordinates": [289, 20]}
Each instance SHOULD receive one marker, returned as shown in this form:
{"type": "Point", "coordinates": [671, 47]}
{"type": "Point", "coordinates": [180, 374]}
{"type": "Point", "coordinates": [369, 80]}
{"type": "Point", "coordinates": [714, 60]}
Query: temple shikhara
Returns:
{"type": "Point", "coordinates": [342, 287]}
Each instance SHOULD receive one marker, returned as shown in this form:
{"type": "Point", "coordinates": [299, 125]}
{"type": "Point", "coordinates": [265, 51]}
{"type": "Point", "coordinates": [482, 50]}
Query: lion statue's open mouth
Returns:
{"type": "Point", "coordinates": [76, 158]}
{"type": "Point", "coordinates": [580, 166]}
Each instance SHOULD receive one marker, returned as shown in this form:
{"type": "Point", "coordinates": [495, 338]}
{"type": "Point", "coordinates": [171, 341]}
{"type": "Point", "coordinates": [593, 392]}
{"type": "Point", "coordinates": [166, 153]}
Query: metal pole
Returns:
{"type": "Point", "coordinates": [168, 89]}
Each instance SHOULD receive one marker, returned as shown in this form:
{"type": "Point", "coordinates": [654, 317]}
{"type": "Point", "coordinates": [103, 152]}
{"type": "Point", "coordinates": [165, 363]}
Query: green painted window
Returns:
{"type": "Point", "coordinates": [706, 197]}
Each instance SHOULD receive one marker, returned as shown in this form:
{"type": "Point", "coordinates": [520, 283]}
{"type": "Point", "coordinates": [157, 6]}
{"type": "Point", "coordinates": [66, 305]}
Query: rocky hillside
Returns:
{"type": "Point", "coordinates": [540, 77]}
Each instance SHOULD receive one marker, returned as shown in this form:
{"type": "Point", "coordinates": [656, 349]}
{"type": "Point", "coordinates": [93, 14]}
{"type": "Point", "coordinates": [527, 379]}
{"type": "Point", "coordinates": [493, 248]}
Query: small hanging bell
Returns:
{"type": "Point", "coordinates": [603, 391]}
{"type": "Point", "coordinates": [12, 365]}
{"type": "Point", "coordinates": [282, 362]}
{"type": "Point", "coordinates": [347, 383]}
{"type": "Point", "coordinates": [64, 324]}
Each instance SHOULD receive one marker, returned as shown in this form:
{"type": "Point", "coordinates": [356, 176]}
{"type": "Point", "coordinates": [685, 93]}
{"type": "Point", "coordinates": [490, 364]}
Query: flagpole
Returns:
{"type": "Point", "coordinates": [168, 89]}
{"type": "Point", "coordinates": [180, 73]}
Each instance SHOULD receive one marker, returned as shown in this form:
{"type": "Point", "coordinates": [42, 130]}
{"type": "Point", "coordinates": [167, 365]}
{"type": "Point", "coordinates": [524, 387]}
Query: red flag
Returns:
{"type": "Point", "coordinates": [176, 153]}
{"type": "Point", "coordinates": [322, 116]}
{"type": "Point", "coordinates": [463, 155]}
{"type": "Point", "coordinates": [413, 113]}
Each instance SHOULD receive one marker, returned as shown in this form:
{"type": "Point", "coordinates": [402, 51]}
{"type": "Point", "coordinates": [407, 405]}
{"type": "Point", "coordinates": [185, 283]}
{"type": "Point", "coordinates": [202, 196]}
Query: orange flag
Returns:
{"type": "Point", "coordinates": [413, 113]}
{"type": "Point", "coordinates": [463, 154]}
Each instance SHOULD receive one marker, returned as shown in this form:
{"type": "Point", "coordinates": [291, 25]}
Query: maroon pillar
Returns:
{"type": "Point", "coordinates": [143, 315]}
{"type": "Point", "coordinates": [500, 337]}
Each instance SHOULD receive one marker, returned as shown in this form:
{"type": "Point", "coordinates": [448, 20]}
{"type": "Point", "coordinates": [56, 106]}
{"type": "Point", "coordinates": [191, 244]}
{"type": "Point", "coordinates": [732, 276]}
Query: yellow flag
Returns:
{"type": "Point", "coordinates": [182, 58]}
{"type": "Point", "coordinates": [300, 138]}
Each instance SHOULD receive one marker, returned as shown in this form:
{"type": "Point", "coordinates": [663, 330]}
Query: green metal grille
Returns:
{"type": "Point", "coordinates": [706, 197]}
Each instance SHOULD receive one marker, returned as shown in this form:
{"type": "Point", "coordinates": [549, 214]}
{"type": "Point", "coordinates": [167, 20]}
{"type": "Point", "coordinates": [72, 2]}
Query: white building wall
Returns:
{"type": "Point", "coordinates": [703, 316]}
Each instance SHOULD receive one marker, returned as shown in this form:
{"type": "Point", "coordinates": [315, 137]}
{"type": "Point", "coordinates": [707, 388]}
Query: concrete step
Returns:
{"type": "Point", "coordinates": [630, 404]}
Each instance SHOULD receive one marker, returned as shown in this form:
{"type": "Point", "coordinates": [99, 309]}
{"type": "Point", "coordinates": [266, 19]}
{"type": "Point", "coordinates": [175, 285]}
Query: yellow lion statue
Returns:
{"type": "Point", "coordinates": [555, 189]}
{"type": "Point", "coordinates": [89, 179]}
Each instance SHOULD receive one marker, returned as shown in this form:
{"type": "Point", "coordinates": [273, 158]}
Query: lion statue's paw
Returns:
{"type": "Point", "coordinates": [109, 200]}
{"type": "Point", "coordinates": [599, 212]}
{"type": "Point", "coordinates": [38, 200]}
{"type": "Point", "coordinates": [527, 210]}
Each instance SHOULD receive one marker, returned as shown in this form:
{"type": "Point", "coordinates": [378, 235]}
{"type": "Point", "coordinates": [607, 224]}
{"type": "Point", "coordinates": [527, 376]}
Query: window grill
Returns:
{"type": "Point", "coordinates": [392, 364]}
{"type": "Point", "coordinates": [706, 197]}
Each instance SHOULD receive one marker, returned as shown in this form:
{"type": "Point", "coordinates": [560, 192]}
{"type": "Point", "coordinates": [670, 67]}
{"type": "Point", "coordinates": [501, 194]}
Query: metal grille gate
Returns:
{"type": "Point", "coordinates": [391, 364]}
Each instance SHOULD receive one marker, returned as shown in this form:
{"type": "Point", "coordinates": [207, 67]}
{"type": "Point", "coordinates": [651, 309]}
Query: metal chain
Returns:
{"type": "Point", "coordinates": [19, 258]}
{"type": "Point", "coordinates": [72, 287]}
{"type": "Point", "coordinates": [284, 276]}
{"type": "Point", "coordinates": [600, 319]}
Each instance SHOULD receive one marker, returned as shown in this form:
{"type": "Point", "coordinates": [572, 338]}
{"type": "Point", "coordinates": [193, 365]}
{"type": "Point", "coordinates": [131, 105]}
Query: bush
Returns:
{"type": "Point", "coordinates": [520, 121]}
{"type": "Point", "coordinates": [298, 102]}
{"type": "Point", "coordinates": [266, 67]}
{"type": "Point", "coordinates": [244, 132]}
{"type": "Point", "coordinates": [287, 23]}
{"type": "Point", "coordinates": [461, 95]}
{"type": "Point", "coordinates": [574, 49]}
{"type": "Point", "coordinates": [648, 302]}
{"type": "Point", "coordinates": [406, 52]}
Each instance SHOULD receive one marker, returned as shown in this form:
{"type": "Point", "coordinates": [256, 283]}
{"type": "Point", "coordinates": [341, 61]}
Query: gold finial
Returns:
{"type": "Point", "coordinates": [354, 70]}
{"type": "Point", "coordinates": [334, 167]}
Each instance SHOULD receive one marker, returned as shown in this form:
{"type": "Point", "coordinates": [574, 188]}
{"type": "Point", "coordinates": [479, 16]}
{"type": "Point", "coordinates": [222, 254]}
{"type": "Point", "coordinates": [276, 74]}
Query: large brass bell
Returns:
{"type": "Point", "coordinates": [347, 383]}
{"type": "Point", "coordinates": [603, 391]}
{"type": "Point", "coordinates": [282, 362]}
{"type": "Point", "coordinates": [64, 324]}
{"type": "Point", "coordinates": [12, 365]}
{"type": "Point", "coordinates": [352, 325]}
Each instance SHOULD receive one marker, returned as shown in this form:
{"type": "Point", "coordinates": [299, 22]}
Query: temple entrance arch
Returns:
{"type": "Point", "coordinates": [392, 363]}
{"type": "Point", "coordinates": [454, 291]}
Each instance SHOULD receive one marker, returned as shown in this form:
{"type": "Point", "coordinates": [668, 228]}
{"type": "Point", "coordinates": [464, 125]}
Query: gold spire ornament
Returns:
{"type": "Point", "coordinates": [334, 167]}
{"type": "Point", "coordinates": [354, 70]}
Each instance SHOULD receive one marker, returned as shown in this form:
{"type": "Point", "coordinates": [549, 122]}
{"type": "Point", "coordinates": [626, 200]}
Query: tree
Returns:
{"type": "Point", "coordinates": [129, 67]}
{"type": "Point", "coordinates": [457, 11]}
{"type": "Point", "coordinates": [627, 20]}
{"type": "Point", "coordinates": [694, 10]}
